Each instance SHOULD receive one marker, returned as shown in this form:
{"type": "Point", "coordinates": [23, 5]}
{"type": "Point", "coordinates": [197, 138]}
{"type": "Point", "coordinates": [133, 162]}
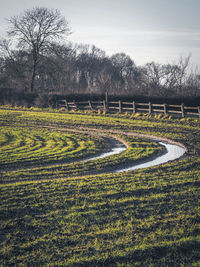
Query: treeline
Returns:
{"type": "Point", "coordinates": [9, 96]}
{"type": "Point", "coordinates": [86, 69]}
{"type": "Point", "coordinates": [49, 67]}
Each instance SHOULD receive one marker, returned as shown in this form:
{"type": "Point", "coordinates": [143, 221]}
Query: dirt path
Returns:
{"type": "Point", "coordinates": [113, 139]}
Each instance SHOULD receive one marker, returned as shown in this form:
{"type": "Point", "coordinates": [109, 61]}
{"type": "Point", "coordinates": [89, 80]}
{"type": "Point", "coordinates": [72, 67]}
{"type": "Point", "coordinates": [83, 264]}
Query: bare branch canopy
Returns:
{"type": "Point", "coordinates": [35, 29]}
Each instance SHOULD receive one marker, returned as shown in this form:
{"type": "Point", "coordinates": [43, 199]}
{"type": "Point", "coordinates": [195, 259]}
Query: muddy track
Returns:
{"type": "Point", "coordinates": [115, 145]}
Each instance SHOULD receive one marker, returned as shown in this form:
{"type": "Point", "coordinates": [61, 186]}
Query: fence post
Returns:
{"type": "Point", "coordinates": [120, 106]}
{"type": "Point", "coordinates": [165, 109]}
{"type": "Point", "coordinates": [134, 107]}
{"type": "Point", "coordinates": [150, 108]}
{"type": "Point", "coordinates": [66, 104]}
{"type": "Point", "coordinates": [104, 105]}
{"type": "Point", "coordinates": [90, 105]}
{"type": "Point", "coordinates": [106, 97]}
{"type": "Point", "coordinates": [76, 107]}
{"type": "Point", "coordinates": [182, 110]}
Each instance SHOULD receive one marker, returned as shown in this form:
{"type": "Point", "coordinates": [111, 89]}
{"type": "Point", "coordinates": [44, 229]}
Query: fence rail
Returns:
{"type": "Point", "coordinates": [133, 107]}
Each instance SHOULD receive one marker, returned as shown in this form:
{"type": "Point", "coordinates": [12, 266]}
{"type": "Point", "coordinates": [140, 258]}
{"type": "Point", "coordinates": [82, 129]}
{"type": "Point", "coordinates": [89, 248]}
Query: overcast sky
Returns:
{"type": "Point", "coordinates": [147, 30]}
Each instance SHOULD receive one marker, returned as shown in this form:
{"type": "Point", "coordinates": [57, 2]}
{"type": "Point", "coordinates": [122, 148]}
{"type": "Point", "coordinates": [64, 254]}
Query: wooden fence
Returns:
{"type": "Point", "coordinates": [133, 107]}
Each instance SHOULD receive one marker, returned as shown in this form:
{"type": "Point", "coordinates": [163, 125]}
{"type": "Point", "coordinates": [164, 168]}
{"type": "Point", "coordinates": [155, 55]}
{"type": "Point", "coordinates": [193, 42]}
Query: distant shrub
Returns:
{"type": "Point", "coordinates": [137, 115]}
{"type": "Point", "coordinates": [44, 101]}
{"type": "Point", "coordinates": [62, 109]}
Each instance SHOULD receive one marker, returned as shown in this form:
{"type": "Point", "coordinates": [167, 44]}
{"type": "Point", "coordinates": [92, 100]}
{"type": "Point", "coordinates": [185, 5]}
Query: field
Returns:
{"type": "Point", "coordinates": [59, 211]}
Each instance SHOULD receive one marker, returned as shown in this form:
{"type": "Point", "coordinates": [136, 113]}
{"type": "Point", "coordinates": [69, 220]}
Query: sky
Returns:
{"type": "Point", "coordinates": [146, 30]}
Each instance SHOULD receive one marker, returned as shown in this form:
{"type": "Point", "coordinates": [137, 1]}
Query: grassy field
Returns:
{"type": "Point", "coordinates": [75, 214]}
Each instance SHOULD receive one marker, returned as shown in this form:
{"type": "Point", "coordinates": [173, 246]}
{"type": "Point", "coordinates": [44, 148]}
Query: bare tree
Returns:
{"type": "Point", "coordinates": [154, 76]}
{"type": "Point", "coordinates": [182, 74]}
{"type": "Point", "coordinates": [34, 30]}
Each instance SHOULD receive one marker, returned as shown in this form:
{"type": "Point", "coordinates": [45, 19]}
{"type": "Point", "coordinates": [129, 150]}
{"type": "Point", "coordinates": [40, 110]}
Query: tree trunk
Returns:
{"type": "Point", "coordinates": [33, 79]}
{"type": "Point", "coordinates": [35, 62]}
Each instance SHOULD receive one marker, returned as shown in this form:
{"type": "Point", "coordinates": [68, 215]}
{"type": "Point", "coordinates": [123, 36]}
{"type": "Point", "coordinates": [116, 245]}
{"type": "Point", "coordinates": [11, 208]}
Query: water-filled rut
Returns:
{"type": "Point", "coordinates": [172, 150]}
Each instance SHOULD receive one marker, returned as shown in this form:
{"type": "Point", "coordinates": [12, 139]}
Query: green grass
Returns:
{"type": "Point", "coordinates": [26, 146]}
{"type": "Point", "coordinates": [138, 149]}
{"type": "Point", "coordinates": [59, 216]}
